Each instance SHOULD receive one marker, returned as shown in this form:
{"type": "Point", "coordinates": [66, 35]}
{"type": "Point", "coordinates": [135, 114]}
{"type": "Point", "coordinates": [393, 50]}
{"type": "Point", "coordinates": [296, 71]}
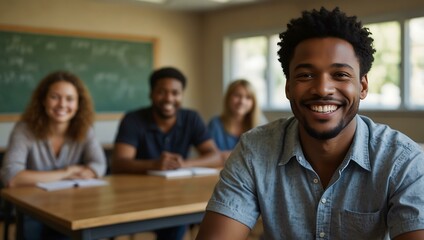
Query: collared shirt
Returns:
{"type": "Point", "coordinates": [139, 129]}
{"type": "Point", "coordinates": [377, 189]}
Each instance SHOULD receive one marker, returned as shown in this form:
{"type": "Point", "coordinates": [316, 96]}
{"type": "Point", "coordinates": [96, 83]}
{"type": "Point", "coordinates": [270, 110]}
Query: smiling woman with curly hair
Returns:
{"type": "Point", "coordinates": [54, 140]}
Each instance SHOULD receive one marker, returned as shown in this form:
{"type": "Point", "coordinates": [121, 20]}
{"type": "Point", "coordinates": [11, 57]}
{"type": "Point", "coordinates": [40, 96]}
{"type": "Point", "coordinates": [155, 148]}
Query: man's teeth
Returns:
{"type": "Point", "coordinates": [168, 106]}
{"type": "Point", "coordinates": [324, 109]}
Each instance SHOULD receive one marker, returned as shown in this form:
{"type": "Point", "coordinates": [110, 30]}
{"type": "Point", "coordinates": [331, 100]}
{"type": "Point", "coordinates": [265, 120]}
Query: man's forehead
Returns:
{"type": "Point", "coordinates": [328, 50]}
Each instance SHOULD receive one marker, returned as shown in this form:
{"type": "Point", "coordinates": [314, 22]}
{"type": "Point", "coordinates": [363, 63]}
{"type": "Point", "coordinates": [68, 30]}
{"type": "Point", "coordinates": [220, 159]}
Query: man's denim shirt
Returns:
{"type": "Point", "coordinates": [377, 190]}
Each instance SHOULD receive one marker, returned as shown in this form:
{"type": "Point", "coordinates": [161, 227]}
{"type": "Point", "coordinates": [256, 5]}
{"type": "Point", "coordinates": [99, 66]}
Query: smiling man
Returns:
{"type": "Point", "coordinates": [159, 137]}
{"type": "Point", "coordinates": [327, 172]}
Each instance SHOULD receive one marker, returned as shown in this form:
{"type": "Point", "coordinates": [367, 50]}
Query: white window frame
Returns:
{"type": "Point", "coordinates": [405, 105]}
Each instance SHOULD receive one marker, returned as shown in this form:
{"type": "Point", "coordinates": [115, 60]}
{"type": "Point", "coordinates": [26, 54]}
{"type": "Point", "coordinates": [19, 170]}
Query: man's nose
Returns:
{"type": "Point", "coordinates": [323, 85]}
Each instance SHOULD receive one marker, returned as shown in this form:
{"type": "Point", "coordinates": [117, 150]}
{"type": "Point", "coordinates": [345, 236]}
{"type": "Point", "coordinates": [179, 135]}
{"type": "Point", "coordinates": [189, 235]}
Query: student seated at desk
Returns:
{"type": "Point", "coordinates": [54, 140]}
{"type": "Point", "coordinates": [159, 137]}
{"type": "Point", "coordinates": [327, 172]}
{"type": "Point", "coordinates": [241, 113]}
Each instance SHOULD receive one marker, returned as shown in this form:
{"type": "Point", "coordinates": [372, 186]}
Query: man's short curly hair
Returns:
{"type": "Point", "coordinates": [167, 72]}
{"type": "Point", "coordinates": [324, 23]}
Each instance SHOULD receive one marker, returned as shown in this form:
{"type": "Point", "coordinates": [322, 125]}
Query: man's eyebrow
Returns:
{"type": "Point", "coordinates": [341, 65]}
{"type": "Point", "coordinates": [337, 65]}
{"type": "Point", "coordinates": [304, 65]}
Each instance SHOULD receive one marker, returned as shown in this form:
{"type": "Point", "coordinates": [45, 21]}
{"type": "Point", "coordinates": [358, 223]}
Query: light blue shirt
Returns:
{"type": "Point", "coordinates": [378, 188]}
{"type": "Point", "coordinates": [224, 140]}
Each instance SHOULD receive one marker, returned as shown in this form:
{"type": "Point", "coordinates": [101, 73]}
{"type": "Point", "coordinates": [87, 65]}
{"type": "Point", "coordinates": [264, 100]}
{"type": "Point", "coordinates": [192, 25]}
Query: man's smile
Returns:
{"type": "Point", "coordinates": [323, 108]}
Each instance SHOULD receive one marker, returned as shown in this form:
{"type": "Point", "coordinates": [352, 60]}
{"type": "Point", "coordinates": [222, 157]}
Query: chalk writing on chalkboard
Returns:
{"type": "Point", "coordinates": [114, 68]}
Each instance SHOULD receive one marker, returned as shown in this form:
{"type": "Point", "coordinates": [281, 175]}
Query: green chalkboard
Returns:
{"type": "Point", "coordinates": [114, 68]}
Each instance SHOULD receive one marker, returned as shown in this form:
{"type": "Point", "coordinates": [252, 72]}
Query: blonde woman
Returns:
{"type": "Point", "coordinates": [240, 113]}
{"type": "Point", "coordinates": [54, 140]}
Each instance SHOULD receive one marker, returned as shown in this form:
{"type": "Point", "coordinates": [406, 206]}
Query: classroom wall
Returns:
{"type": "Point", "coordinates": [274, 16]}
{"type": "Point", "coordinates": [178, 34]}
{"type": "Point", "coordinates": [194, 42]}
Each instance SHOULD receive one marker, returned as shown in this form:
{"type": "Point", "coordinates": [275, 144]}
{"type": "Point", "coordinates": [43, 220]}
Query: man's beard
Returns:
{"type": "Point", "coordinates": [325, 135]}
{"type": "Point", "coordinates": [162, 115]}
{"type": "Point", "coordinates": [335, 131]}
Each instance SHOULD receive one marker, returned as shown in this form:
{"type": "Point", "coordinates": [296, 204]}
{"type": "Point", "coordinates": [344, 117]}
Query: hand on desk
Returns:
{"type": "Point", "coordinates": [79, 172]}
{"type": "Point", "coordinates": [31, 177]}
{"type": "Point", "coordinates": [169, 161]}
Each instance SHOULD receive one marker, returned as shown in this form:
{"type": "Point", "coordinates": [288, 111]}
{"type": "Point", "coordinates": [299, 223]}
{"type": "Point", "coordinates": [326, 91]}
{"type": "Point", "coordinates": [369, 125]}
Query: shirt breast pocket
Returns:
{"type": "Point", "coordinates": [358, 225]}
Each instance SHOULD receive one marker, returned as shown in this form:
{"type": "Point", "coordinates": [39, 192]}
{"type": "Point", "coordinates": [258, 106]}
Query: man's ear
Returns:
{"type": "Point", "coordinates": [364, 87]}
{"type": "Point", "coordinates": [287, 90]}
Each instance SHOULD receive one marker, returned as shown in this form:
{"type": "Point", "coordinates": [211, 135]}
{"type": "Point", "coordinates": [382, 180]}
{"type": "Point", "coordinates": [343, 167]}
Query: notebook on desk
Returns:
{"type": "Point", "coordinates": [184, 172]}
{"type": "Point", "coordinates": [63, 184]}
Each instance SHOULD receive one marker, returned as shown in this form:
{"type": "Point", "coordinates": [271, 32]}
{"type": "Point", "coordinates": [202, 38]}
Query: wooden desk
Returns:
{"type": "Point", "coordinates": [129, 204]}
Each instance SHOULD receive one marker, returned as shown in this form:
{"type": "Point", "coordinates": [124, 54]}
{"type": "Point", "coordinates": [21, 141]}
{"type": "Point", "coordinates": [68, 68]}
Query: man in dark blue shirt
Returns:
{"type": "Point", "coordinates": [160, 136]}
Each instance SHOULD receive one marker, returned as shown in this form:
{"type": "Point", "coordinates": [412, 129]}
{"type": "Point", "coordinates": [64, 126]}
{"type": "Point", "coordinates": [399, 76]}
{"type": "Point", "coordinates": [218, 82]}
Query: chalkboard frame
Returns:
{"type": "Point", "coordinates": [11, 117]}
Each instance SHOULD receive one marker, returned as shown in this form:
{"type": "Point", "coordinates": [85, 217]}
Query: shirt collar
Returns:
{"type": "Point", "coordinates": [291, 145]}
{"type": "Point", "coordinates": [358, 152]}
{"type": "Point", "coordinates": [153, 126]}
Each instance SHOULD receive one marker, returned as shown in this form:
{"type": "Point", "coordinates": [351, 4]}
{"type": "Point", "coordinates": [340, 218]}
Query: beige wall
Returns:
{"type": "Point", "coordinates": [178, 35]}
{"type": "Point", "coordinates": [192, 42]}
{"type": "Point", "coordinates": [274, 16]}
{"type": "Point", "coordinates": [178, 32]}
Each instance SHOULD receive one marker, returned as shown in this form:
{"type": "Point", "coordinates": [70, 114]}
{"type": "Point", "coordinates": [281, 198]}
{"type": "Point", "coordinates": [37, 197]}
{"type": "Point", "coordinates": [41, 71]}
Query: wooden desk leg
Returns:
{"type": "Point", "coordinates": [8, 212]}
{"type": "Point", "coordinates": [19, 225]}
{"type": "Point", "coordinates": [82, 235]}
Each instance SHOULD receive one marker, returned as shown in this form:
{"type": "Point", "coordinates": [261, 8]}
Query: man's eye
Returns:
{"type": "Point", "coordinates": [304, 76]}
{"type": "Point", "coordinates": [341, 75]}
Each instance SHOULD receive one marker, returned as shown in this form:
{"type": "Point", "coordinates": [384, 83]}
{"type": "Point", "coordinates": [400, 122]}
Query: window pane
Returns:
{"type": "Point", "coordinates": [416, 39]}
{"type": "Point", "coordinates": [249, 61]}
{"type": "Point", "coordinates": [277, 78]}
{"type": "Point", "coordinates": [384, 77]}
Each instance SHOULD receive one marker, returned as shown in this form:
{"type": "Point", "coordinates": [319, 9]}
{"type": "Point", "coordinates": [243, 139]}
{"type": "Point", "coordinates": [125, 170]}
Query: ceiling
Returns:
{"type": "Point", "coordinates": [194, 5]}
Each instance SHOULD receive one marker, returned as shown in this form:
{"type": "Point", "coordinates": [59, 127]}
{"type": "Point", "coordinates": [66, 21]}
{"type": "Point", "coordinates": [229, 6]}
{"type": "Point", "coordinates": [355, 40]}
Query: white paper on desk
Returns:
{"type": "Point", "coordinates": [203, 171]}
{"type": "Point", "coordinates": [184, 172]}
{"type": "Point", "coordinates": [63, 184]}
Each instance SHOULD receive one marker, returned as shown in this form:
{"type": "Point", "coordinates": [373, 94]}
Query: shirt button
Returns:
{"type": "Point", "coordinates": [315, 180]}
{"type": "Point", "coordinates": [322, 234]}
{"type": "Point", "coordinates": [323, 200]}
